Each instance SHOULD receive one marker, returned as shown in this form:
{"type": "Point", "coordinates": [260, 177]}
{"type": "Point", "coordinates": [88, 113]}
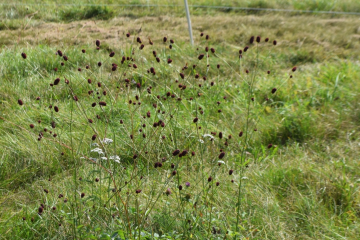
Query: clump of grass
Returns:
{"type": "Point", "coordinates": [83, 13]}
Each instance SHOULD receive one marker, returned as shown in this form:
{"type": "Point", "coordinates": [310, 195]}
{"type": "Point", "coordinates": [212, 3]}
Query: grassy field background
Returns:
{"type": "Point", "coordinates": [305, 187]}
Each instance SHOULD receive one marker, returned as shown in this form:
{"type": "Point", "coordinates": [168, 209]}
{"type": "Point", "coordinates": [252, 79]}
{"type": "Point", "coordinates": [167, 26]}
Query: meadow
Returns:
{"type": "Point", "coordinates": [112, 126]}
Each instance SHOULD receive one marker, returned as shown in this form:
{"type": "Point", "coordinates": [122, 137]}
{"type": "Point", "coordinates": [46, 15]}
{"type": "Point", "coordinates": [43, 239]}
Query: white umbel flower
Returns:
{"type": "Point", "coordinates": [116, 158]}
{"type": "Point", "coordinates": [97, 150]}
{"type": "Point", "coordinates": [107, 141]}
{"type": "Point", "coordinates": [208, 135]}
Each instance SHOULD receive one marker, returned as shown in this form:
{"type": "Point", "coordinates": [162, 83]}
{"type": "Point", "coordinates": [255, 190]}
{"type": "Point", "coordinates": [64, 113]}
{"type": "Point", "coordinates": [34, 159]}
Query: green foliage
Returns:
{"type": "Point", "coordinates": [295, 168]}
{"type": "Point", "coordinates": [82, 13]}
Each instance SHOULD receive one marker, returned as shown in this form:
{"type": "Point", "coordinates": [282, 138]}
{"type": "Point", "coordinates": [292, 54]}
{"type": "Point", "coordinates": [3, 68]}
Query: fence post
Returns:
{"type": "Point", "coordinates": [189, 21]}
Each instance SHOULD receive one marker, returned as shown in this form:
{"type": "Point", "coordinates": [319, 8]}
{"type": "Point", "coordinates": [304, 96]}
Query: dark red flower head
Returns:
{"type": "Point", "coordinates": [56, 81]}
{"type": "Point", "coordinates": [220, 135]}
{"type": "Point", "coordinates": [222, 155]}
{"type": "Point", "coordinates": [294, 69]}
{"type": "Point", "coordinates": [266, 39]}
{"type": "Point", "coordinates": [176, 152]}
{"type": "Point", "coordinates": [201, 56]}
{"type": "Point", "coordinates": [165, 39]}
{"type": "Point", "coordinates": [112, 54]}
{"type": "Point", "coordinates": [97, 42]}
{"type": "Point", "coordinates": [274, 42]}
{"type": "Point", "coordinates": [246, 48]}
{"type": "Point", "coordinates": [23, 55]}
{"type": "Point", "coordinates": [273, 90]}
{"type": "Point", "coordinates": [252, 38]}
{"type": "Point", "coordinates": [183, 153]}
{"type": "Point", "coordinates": [93, 137]}
{"type": "Point", "coordinates": [258, 38]}
{"type": "Point", "coordinates": [20, 102]}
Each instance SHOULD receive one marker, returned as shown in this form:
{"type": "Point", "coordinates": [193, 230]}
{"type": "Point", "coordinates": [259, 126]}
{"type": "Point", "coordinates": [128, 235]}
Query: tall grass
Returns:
{"type": "Point", "coordinates": [145, 148]}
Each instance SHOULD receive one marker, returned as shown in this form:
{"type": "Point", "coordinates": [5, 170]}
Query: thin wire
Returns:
{"type": "Point", "coordinates": [192, 6]}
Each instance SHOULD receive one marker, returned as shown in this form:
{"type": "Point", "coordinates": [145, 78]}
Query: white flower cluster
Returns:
{"type": "Point", "coordinates": [208, 135]}
{"type": "Point", "coordinates": [107, 141]}
{"type": "Point", "coordinates": [116, 158]}
{"type": "Point", "coordinates": [97, 150]}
